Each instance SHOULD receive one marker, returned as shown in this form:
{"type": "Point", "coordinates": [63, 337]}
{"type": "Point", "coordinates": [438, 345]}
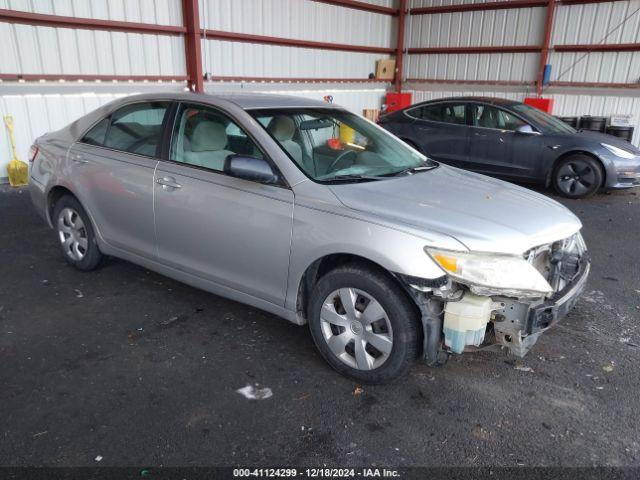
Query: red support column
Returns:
{"type": "Point", "coordinates": [402, 11]}
{"type": "Point", "coordinates": [546, 41]}
{"type": "Point", "coordinates": [192, 46]}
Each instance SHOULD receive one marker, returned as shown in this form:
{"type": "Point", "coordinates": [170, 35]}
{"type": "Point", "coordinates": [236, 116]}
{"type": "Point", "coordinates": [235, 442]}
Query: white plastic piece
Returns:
{"type": "Point", "coordinates": [465, 321]}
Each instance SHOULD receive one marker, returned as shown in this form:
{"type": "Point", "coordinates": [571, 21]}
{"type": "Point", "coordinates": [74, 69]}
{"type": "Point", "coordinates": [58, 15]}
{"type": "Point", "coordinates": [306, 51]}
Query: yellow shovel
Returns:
{"type": "Point", "coordinates": [18, 170]}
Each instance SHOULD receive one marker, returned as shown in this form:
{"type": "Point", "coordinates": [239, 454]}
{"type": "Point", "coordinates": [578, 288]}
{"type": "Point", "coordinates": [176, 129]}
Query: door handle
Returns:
{"type": "Point", "coordinates": [168, 183]}
{"type": "Point", "coordinates": [478, 134]}
{"type": "Point", "coordinates": [78, 158]}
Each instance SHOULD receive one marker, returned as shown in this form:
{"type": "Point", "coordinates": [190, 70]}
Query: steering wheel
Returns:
{"type": "Point", "coordinates": [341, 157]}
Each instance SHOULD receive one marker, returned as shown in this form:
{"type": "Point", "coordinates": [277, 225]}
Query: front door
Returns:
{"type": "Point", "coordinates": [496, 148]}
{"type": "Point", "coordinates": [232, 232]}
{"type": "Point", "coordinates": [113, 166]}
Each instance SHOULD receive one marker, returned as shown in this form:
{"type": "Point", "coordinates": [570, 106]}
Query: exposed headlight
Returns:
{"type": "Point", "coordinates": [619, 152]}
{"type": "Point", "coordinates": [489, 273]}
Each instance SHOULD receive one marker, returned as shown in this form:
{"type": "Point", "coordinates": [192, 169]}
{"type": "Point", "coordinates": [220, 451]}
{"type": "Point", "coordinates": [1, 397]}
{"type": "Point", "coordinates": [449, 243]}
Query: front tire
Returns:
{"type": "Point", "coordinates": [577, 176]}
{"type": "Point", "coordinates": [364, 325]}
{"type": "Point", "coordinates": [75, 234]}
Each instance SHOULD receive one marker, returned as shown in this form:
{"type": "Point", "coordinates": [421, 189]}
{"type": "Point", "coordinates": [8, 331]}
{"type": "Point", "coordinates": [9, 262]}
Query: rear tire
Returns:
{"type": "Point", "coordinates": [75, 234]}
{"type": "Point", "coordinates": [577, 176]}
{"type": "Point", "coordinates": [375, 338]}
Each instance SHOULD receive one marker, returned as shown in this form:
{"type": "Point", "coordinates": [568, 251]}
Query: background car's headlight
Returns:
{"type": "Point", "coordinates": [494, 272]}
{"type": "Point", "coordinates": [619, 152]}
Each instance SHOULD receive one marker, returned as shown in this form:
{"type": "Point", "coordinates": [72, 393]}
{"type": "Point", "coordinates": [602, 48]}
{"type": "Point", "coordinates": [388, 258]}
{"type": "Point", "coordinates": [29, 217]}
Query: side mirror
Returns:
{"type": "Point", "coordinates": [526, 129]}
{"type": "Point", "coordinates": [250, 168]}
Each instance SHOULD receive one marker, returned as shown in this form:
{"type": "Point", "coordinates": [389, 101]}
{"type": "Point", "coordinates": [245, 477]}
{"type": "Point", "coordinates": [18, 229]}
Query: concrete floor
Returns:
{"type": "Point", "coordinates": [142, 370]}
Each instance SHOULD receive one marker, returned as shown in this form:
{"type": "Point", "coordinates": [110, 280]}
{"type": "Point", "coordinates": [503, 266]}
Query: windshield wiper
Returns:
{"type": "Point", "coordinates": [412, 170]}
{"type": "Point", "coordinates": [352, 177]}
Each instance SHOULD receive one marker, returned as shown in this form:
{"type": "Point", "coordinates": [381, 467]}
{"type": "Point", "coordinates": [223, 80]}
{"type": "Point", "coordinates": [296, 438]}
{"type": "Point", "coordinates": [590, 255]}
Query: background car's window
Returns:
{"type": "Point", "coordinates": [441, 112]}
{"type": "Point", "coordinates": [205, 137]}
{"type": "Point", "coordinates": [96, 135]}
{"type": "Point", "coordinates": [137, 128]}
{"type": "Point", "coordinates": [491, 117]}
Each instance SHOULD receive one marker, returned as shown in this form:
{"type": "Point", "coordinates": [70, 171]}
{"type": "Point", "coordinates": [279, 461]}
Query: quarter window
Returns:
{"type": "Point", "coordinates": [205, 137]}
{"type": "Point", "coordinates": [96, 135]}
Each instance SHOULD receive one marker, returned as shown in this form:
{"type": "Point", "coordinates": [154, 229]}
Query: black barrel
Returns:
{"type": "Point", "coordinates": [623, 132]}
{"type": "Point", "coordinates": [597, 124]}
{"type": "Point", "coordinates": [572, 121]}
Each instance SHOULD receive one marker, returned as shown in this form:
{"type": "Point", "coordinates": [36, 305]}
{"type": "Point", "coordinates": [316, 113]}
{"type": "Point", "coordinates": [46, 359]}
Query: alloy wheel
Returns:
{"type": "Point", "coordinates": [576, 178]}
{"type": "Point", "coordinates": [356, 328]}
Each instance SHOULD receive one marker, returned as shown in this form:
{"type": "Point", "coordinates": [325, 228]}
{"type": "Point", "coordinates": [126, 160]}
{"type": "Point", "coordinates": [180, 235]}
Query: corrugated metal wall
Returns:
{"type": "Point", "coordinates": [40, 107]}
{"type": "Point", "coordinates": [592, 24]}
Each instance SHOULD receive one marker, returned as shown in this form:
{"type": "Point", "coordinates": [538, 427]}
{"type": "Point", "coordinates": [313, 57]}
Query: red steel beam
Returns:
{"type": "Point", "coordinates": [503, 83]}
{"type": "Point", "coordinates": [192, 45]}
{"type": "Point", "coordinates": [400, 45]}
{"type": "Point", "coordinates": [611, 47]}
{"type": "Point", "coordinates": [471, 7]}
{"type": "Point", "coordinates": [483, 49]}
{"type": "Point", "coordinates": [367, 7]}
{"type": "Point", "coordinates": [45, 20]}
{"type": "Point", "coordinates": [295, 80]}
{"type": "Point", "coordinates": [36, 77]}
{"type": "Point", "coordinates": [594, 85]}
{"type": "Point", "coordinates": [546, 40]}
{"type": "Point", "coordinates": [289, 42]}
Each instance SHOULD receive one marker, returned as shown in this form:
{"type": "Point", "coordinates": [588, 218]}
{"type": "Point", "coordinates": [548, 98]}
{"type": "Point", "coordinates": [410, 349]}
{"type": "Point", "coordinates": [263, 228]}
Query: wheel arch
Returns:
{"type": "Point", "coordinates": [569, 153]}
{"type": "Point", "coordinates": [54, 195]}
{"type": "Point", "coordinates": [323, 265]}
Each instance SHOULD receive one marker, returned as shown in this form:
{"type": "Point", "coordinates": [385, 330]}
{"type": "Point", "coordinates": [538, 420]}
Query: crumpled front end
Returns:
{"type": "Point", "coordinates": [459, 316]}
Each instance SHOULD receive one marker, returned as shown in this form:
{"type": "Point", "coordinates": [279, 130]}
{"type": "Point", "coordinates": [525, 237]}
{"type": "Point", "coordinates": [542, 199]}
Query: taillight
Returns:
{"type": "Point", "coordinates": [33, 152]}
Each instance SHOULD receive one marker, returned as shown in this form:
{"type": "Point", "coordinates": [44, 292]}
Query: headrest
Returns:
{"type": "Point", "coordinates": [208, 136]}
{"type": "Point", "coordinates": [282, 128]}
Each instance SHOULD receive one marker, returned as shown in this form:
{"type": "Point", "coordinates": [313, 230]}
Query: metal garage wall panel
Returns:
{"type": "Point", "coordinates": [223, 58]}
{"type": "Point", "coordinates": [46, 50]}
{"type": "Point", "coordinates": [305, 20]}
{"type": "Point", "coordinates": [594, 24]}
{"type": "Point", "coordinates": [492, 27]}
{"type": "Point", "coordinates": [494, 66]}
{"type": "Point", "coordinates": [161, 12]}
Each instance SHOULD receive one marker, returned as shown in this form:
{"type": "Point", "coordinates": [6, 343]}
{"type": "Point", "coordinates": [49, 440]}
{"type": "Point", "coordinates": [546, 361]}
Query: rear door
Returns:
{"type": "Point", "coordinates": [233, 232]}
{"type": "Point", "coordinates": [112, 167]}
{"type": "Point", "coordinates": [441, 131]}
{"type": "Point", "coordinates": [496, 148]}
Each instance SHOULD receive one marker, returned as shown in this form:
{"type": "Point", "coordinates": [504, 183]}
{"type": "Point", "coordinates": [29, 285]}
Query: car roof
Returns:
{"type": "Point", "coordinates": [490, 100]}
{"type": "Point", "coordinates": [246, 101]}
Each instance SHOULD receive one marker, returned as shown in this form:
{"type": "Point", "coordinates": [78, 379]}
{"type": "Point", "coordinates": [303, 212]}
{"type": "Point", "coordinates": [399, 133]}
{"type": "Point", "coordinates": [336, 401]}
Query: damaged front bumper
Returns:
{"type": "Point", "coordinates": [518, 324]}
{"type": "Point", "coordinates": [457, 318]}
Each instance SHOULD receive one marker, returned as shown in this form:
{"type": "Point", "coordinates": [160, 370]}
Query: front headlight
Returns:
{"type": "Point", "coordinates": [619, 152]}
{"type": "Point", "coordinates": [490, 273]}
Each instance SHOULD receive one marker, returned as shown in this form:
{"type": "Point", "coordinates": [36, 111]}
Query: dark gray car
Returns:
{"type": "Point", "coordinates": [515, 141]}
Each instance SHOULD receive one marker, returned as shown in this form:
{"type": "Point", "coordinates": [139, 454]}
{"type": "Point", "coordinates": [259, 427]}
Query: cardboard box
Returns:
{"type": "Point", "coordinates": [371, 114]}
{"type": "Point", "coordinates": [385, 69]}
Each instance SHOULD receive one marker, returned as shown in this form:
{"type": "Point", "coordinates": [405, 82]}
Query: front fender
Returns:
{"type": "Point", "coordinates": [318, 233]}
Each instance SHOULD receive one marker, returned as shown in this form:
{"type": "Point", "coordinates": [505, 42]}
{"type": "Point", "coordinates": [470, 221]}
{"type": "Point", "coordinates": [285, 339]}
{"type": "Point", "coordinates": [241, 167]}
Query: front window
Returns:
{"type": "Point", "coordinates": [546, 122]}
{"type": "Point", "coordinates": [335, 145]}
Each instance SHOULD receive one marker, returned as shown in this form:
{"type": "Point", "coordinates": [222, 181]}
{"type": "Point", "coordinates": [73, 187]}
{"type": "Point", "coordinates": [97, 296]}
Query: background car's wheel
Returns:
{"type": "Point", "coordinates": [364, 324]}
{"type": "Point", "coordinates": [75, 234]}
{"type": "Point", "coordinates": [577, 176]}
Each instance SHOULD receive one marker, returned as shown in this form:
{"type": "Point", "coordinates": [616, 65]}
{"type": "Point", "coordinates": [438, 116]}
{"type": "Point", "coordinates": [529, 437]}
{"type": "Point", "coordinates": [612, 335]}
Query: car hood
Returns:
{"type": "Point", "coordinates": [483, 213]}
{"type": "Point", "coordinates": [609, 139]}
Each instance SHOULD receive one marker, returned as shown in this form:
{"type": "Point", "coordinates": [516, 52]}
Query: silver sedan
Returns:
{"type": "Point", "coordinates": [315, 214]}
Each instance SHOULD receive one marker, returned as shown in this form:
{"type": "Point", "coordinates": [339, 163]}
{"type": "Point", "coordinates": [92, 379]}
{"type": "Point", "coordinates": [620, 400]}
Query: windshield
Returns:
{"type": "Point", "coordinates": [547, 122]}
{"type": "Point", "coordinates": [328, 145]}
